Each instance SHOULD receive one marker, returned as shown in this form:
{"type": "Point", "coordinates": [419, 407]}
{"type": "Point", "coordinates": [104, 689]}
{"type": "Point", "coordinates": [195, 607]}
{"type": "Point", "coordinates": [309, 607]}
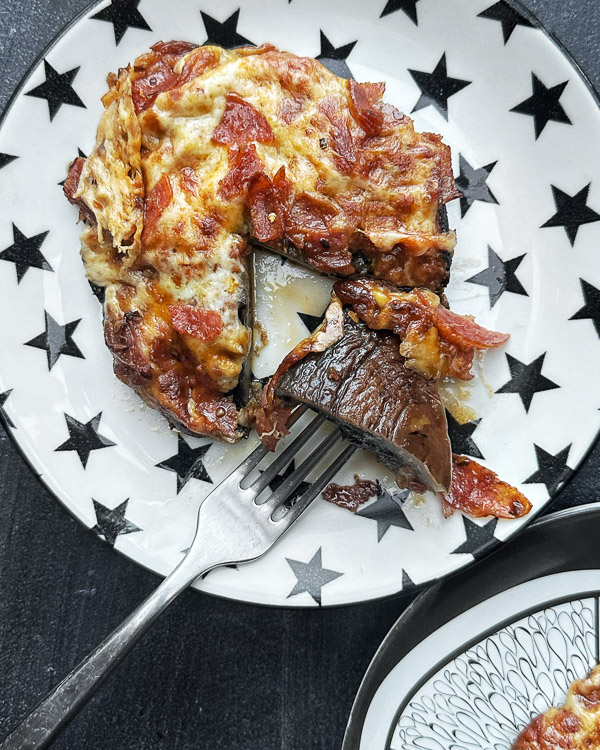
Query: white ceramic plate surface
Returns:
{"type": "Point", "coordinates": [515, 111]}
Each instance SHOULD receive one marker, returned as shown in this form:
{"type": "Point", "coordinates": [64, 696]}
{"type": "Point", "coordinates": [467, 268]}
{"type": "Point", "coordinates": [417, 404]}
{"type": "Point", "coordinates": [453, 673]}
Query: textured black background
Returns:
{"type": "Point", "coordinates": [211, 673]}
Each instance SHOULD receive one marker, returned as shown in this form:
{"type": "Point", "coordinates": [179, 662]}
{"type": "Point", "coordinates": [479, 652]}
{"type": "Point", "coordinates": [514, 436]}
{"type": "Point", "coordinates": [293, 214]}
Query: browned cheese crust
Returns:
{"type": "Point", "coordinates": [200, 149]}
{"type": "Point", "coordinates": [573, 726]}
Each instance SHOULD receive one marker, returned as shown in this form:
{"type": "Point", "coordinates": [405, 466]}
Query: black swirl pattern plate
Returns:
{"type": "Point", "coordinates": [475, 658]}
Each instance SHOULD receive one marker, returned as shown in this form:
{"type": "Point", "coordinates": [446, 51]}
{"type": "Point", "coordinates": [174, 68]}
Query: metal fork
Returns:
{"type": "Point", "coordinates": [232, 528]}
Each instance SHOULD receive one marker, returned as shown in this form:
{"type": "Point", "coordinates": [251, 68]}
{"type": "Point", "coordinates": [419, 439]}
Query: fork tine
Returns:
{"type": "Point", "coordinates": [286, 488]}
{"type": "Point", "coordinates": [252, 460]}
{"type": "Point", "coordinates": [285, 458]}
{"type": "Point", "coordinates": [316, 487]}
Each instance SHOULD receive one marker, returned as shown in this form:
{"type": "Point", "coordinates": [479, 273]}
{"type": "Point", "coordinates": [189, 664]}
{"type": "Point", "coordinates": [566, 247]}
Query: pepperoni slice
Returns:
{"type": "Point", "coordinates": [479, 492]}
{"type": "Point", "coordinates": [245, 165]}
{"type": "Point", "coordinates": [242, 123]}
{"type": "Point", "coordinates": [462, 330]}
{"type": "Point", "coordinates": [362, 99]}
{"type": "Point", "coordinates": [266, 201]}
{"type": "Point", "coordinates": [196, 321]}
{"type": "Point", "coordinates": [159, 198]}
{"type": "Point", "coordinates": [158, 75]}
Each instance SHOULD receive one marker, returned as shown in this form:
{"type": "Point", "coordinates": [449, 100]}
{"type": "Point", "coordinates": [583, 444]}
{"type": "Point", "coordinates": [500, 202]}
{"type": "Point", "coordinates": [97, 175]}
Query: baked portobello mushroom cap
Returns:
{"type": "Point", "coordinates": [362, 383]}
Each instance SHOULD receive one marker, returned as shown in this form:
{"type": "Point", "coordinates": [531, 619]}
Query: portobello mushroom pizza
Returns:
{"type": "Point", "coordinates": [575, 724]}
{"type": "Point", "coordinates": [203, 152]}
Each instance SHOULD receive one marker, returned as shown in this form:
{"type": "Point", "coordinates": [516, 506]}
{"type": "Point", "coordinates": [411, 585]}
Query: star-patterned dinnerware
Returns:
{"type": "Point", "coordinates": [516, 112]}
{"type": "Point", "coordinates": [475, 658]}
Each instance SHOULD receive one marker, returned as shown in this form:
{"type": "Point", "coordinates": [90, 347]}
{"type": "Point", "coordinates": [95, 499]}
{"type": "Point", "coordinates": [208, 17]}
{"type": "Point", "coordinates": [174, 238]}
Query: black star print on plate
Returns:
{"type": "Point", "coordinates": [25, 253]}
{"type": "Point", "coordinates": [311, 321]}
{"type": "Point", "coordinates": [543, 105]}
{"type": "Point", "coordinates": [335, 58]}
{"type": "Point", "coordinates": [57, 340]}
{"type": "Point", "coordinates": [99, 292]}
{"type": "Point", "coordinates": [499, 277]}
{"type": "Point", "coordinates": [437, 87]}
{"type": "Point", "coordinates": [479, 538]}
{"type": "Point", "coordinates": [187, 463]}
{"type": "Point", "coordinates": [472, 183]}
{"type": "Point", "coordinates": [571, 211]}
{"type": "Point", "coordinates": [224, 34]}
{"type": "Point", "coordinates": [407, 581]}
{"type": "Point", "coordinates": [111, 523]}
{"type": "Point", "coordinates": [57, 89]}
{"type": "Point", "coordinates": [408, 6]}
{"type": "Point", "coordinates": [552, 470]}
{"type": "Point", "coordinates": [6, 159]}
{"type": "Point", "coordinates": [387, 511]}
{"type": "Point", "coordinates": [311, 576]}
{"type": "Point", "coordinates": [591, 309]}
{"type": "Point", "coordinates": [461, 437]}
{"type": "Point", "coordinates": [509, 17]}
{"type": "Point", "coordinates": [277, 481]}
{"type": "Point", "coordinates": [3, 397]}
{"type": "Point", "coordinates": [84, 437]}
{"type": "Point", "coordinates": [526, 380]}
{"type": "Point", "coordinates": [123, 14]}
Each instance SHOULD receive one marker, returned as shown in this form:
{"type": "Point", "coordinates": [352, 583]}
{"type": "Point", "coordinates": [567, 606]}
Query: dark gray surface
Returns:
{"type": "Point", "coordinates": [211, 674]}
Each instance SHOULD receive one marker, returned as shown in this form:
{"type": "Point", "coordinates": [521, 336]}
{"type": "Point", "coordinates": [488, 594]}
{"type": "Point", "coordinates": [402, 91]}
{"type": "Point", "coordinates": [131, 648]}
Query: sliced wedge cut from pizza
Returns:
{"type": "Point", "coordinates": [373, 367]}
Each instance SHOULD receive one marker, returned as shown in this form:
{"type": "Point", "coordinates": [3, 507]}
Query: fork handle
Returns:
{"type": "Point", "coordinates": [46, 720]}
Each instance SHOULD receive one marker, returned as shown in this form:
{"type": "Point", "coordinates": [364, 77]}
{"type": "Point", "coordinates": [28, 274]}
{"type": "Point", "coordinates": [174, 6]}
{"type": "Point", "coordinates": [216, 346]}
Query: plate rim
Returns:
{"type": "Point", "coordinates": [416, 589]}
{"type": "Point", "coordinates": [378, 670]}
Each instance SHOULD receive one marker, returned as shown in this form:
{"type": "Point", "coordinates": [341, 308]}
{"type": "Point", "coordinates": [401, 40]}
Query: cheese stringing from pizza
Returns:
{"type": "Point", "coordinates": [575, 725]}
{"type": "Point", "coordinates": [202, 149]}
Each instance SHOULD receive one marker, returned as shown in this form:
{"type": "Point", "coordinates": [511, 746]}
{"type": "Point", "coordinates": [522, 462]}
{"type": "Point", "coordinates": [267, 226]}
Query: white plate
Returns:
{"type": "Point", "coordinates": [474, 659]}
{"type": "Point", "coordinates": [533, 202]}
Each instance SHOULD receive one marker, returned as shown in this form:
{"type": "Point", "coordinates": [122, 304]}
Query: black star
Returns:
{"type": "Point", "coordinates": [334, 58]}
{"type": "Point", "coordinates": [111, 523]}
{"type": "Point", "coordinates": [57, 89]}
{"type": "Point", "coordinates": [224, 34]}
{"type": "Point", "coordinates": [278, 480]}
{"type": "Point", "coordinates": [84, 438]}
{"type": "Point", "coordinates": [591, 309]}
{"type": "Point", "coordinates": [408, 6]}
{"type": "Point", "coordinates": [3, 397]}
{"type": "Point", "coordinates": [25, 253]}
{"type": "Point", "coordinates": [311, 321]}
{"type": "Point", "coordinates": [57, 340]}
{"type": "Point", "coordinates": [187, 463]}
{"type": "Point", "coordinates": [6, 159]}
{"type": "Point", "coordinates": [543, 105]}
{"type": "Point", "coordinates": [460, 437]}
{"type": "Point", "coordinates": [571, 211]}
{"type": "Point", "coordinates": [311, 576]}
{"type": "Point", "coordinates": [526, 380]}
{"type": "Point", "coordinates": [552, 470]}
{"type": "Point", "coordinates": [407, 581]}
{"type": "Point", "coordinates": [437, 87]}
{"type": "Point", "coordinates": [387, 511]}
{"type": "Point", "coordinates": [508, 16]}
{"type": "Point", "coordinates": [499, 277]}
{"type": "Point", "coordinates": [472, 184]}
{"type": "Point", "coordinates": [123, 14]}
{"type": "Point", "coordinates": [479, 538]}
{"type": "Point", "coordinates": [99, 292]}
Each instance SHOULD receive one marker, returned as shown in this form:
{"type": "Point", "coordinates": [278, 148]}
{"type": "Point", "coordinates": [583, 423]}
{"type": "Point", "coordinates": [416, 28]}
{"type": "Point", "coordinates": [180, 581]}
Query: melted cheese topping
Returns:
{"type": "Point", "coordinates": [184, 137]}
{"type": "Point", "coordinates": [575, 725]}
